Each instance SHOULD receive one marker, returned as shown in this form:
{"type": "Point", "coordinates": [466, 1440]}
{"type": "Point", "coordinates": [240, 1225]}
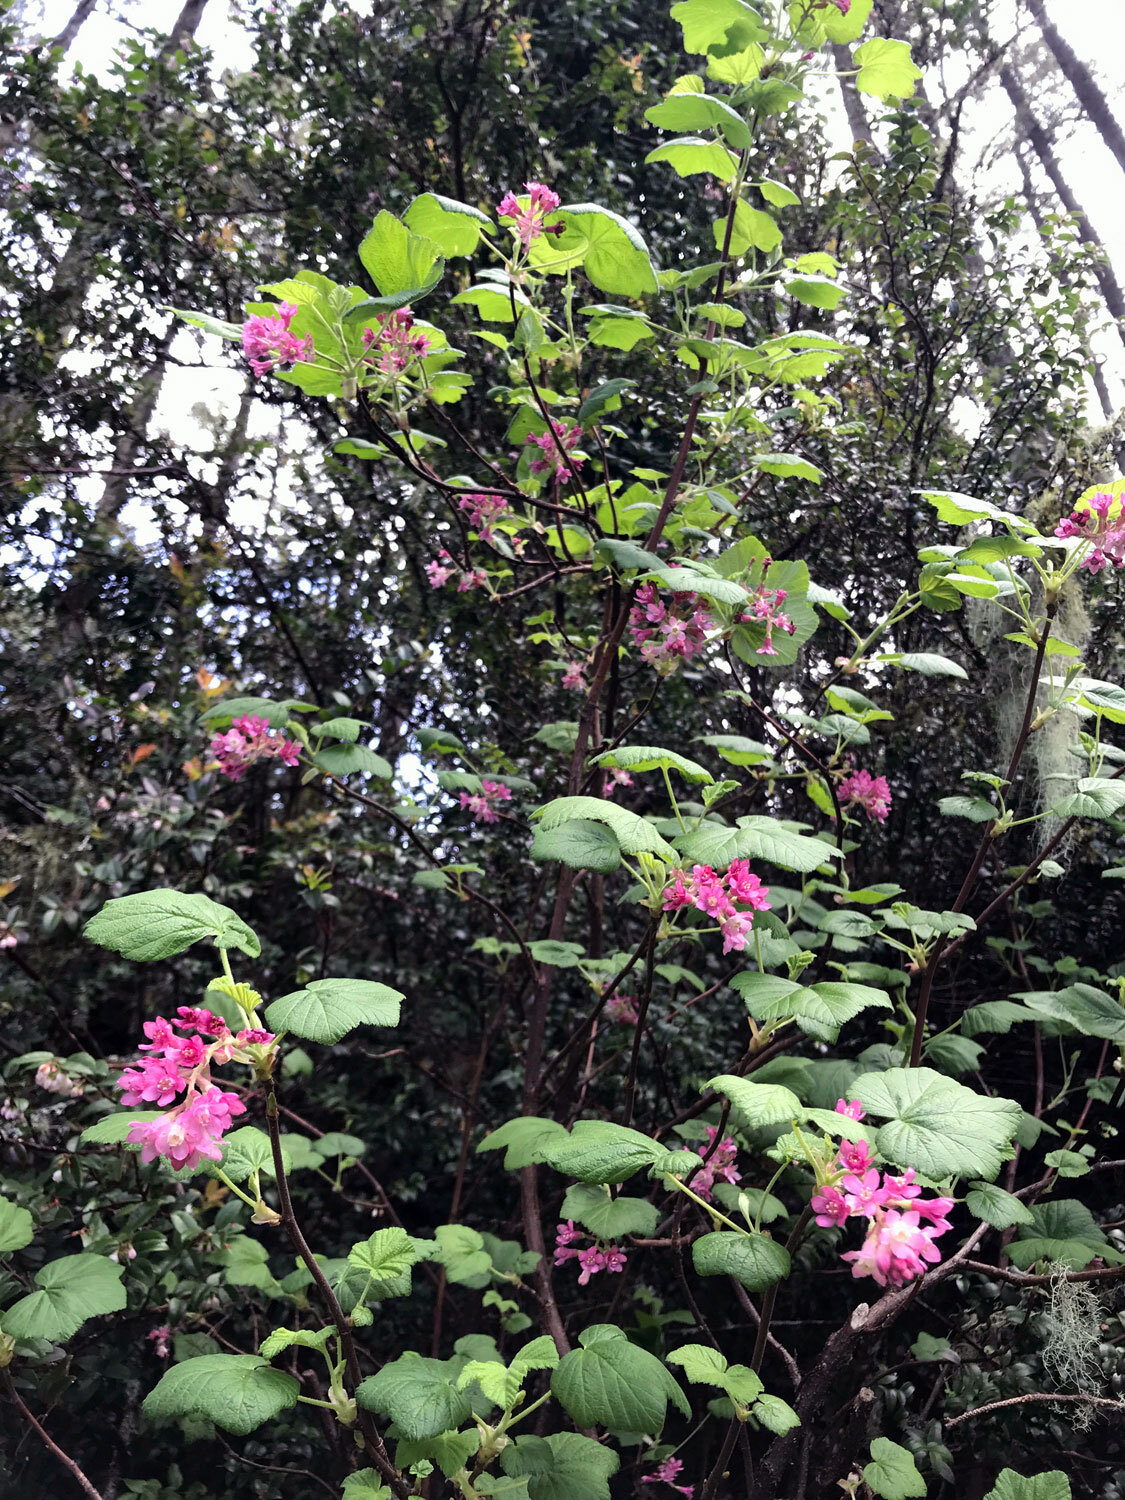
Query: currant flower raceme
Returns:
{"type": "Point", "coordinates": [668, 633]}
{"type": "Point", "coordinates": [395, 344]}
{"type": "Point", "coordinates": [667, 1473]}
{"type": "Point", "coordinates": [592, 1259]}
{"type": "Point", "coordinates": [483, 511]}
{"type": "Point", "coordinates": [556, 449]}
{"type": "Point", "coordinates": [249, 739]}
{"type": "Point", "coordinates": [622, 1009]}
{"type": "Point", "coordinates": [719, 1166]}
{"type": "Point", "coordinates": [482, 805]}
{"type": "Point", "coordinates": [1102, 525]}
{"type": "Point", "coordinates": [617, 777]}
{"type": "Point", "coordinates": [717, 895]}
{"type": "Point", "coordinates": [529, 223]}
{"type": "Point", "coordinates": [268, 343]}
{"type": "Point", "coordinates": [765, 609]}
{"type": "Point", "coordinates": [872, 793]}
{"type": "Point", "coordinates": [573, 678]}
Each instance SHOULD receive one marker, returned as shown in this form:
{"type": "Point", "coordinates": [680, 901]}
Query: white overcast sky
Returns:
{"type": "Point", "coordinates": [1095, 28]}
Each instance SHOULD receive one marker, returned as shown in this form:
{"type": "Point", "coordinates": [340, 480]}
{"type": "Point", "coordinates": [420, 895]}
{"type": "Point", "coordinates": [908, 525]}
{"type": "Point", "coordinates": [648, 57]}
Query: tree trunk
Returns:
{"type": "Point", "coordinates": [858, 123]}
{"type": "Point", "coordinates": [1036, 135]}
{"type": "Point", "coordinates": [185, 26]}
{"type": "Point", "coordinates": [1031, 199]}
{"type": "Point", "coordinates": [1085, 87]}
{"type": "Point", "coordinates": [67, 35]}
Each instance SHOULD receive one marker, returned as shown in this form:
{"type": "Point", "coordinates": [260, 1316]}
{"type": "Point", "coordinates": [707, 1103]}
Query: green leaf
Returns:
{"type": "Point", "coordinates": [787, 466]}
{"type": "Point", "coordinates": [276, 715]}
{"type": "Point", "coordinates": [561, 1466]}
{"type": "Point", "coordinates": [609, 248]}
{"type": "Point", "coordinates": [327, 1009]}
{"type": "Point", "coordinates": [1094, 797]}
{"type": "Point", "coordinates": [775, 1414]}
{"type": "Point", "coordinates": [994, 1016]}
{"type": "Point", "coordinates": [737, 749]}
{"type": "Point", "coordinates": [612, 1383]}
{"type": "Point", "coordinates": [245, 1150]}
{"type": "Point", "coordinates": [634, 834]}
{"type": "Point", "coordinates": [209, 324]}
{"type": "Point", "coordinates": [581, 845]}
{"type": "Point", "coordinates": [365, 1484]}
{"type": "Point", "coordinates": [605, 1217]}
{"type": "Point", "coordinates": [347, 760]}
{"type": "Point", "coordinates": [819, 1010]}
{"type": "Point", "coordinates": [694, 112]}
{"type": "Point", "coordinates": [451, 1451]}
{"type": "Point", "coordinates": [936, 1125]}
{"type": "Point", "coordinates": [417, 1394]}
{"type": "Point", "coordinates": [16, 1227]}
{"type": "Point", "coordinates": [72, 1289]}
{"type": "Point", "coordinates": [708, 23]}
{"type": "Point", "coordinates": [754, 1259]}
{"type": "Point", "coordinates": [759, 1104]}
{"type": "Point", "coordinates": [892, 1471]}
{"type": "Point", "coordinates": [112, 1129]}
{"type": "Point", "coordinates": [340, 729]}
{"type": "Point", "coordinates": [976, 809]}
{"type": "Point", "coordinates": [651, 758]}
{"type": "Point", "coordinates": [755, 838]}
{"type": "Point", "coordinates": [1050, 1485]}
{"type": "Point", "coordinates": [301, 1338]}
{"type": "Point", "coordinates": [928, 663]}
{"type": "Point", "coordinates": [751, 228]}
{"type": "Point", "coordinates": [887, 71]}
{"type": "Point", "coordinates": [691, 155]}
{"type": "Point", "coordinates": [600, 1151]}
{"type": "Point", "coordinates": [387, 1255]}
{"type": "Point", "coordinates": [603, 398]}
{"type": "Point", "coordinates": [1090, 1011]}
{"type": "Point", "coordinates": [816, 291]}
{"type": "Point", "coordinates": [1062, 1230]}
{"type": "Point", "coordinates": [454, 227]}
{"type": "Point", "coordinates": [558, 954]}
{"type": "Point", "coordinates": [397, 260]}
{"type": "Point", "coordinates": [237, 1392]}
{"type": "Point", "coordinates": [150, 925]}
{"type": "Point", "coordinates": [996, 1207]}
{"type": "Point", "coordinates": [777, 195]}
{"type": "Point", "coordinates": [706, 1366]}
{"type": "Point", "coordinates": [526, 1140]}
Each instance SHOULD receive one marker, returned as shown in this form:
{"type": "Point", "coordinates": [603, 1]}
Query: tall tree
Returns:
{"type": "Point", "coordinates": [1086, 88]}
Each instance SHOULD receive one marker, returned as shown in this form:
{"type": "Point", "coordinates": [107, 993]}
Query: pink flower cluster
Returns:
{"type": "Point", "coordinates": [717, 895]}
{"type": "Point", "coordinates": [483, 804]}
{"type": "Point", "coordinates": [573, 678]}
{"type": "Point", "coordinates": [596, 1257]}
{"type": "Point", "coordinates": [529, 221]}
{"type": "Point", "coordinates": [765, 608]}
{"type": "Point", "coordinates": [483, 511]}
{"type": "Point", "coordinates": [1096, 525]}
{"type": "Point", "coordinates": [617, 777]}
{"type": "Point", "coordinates": [442, 569]}
{"type": "Point", "coordinates": [667, 1473]}
{"type": "Point", "coordinates": [50, 1076]}
{"type": "Point", "coordinates": [898, 1245]}
{"type": "Point", "coordinates": [622, 1009]}
{"type": "Point", "coordinates": [161, 1338]}
{"type": "Point", "coordinates": [719, 1166]}
{"type": "Point", "coordinates": [667, 633]}
{"type": "Point", "coordinates": [869, 792]}
{"type": "Point", "coordinates": [556, 449]}
{"type": "Point", "coordinates": [182, 1064]}
{"type": "Point", "coordinates": [268, 343]}
{"type": "Point", "coordinates": [247, 740]}
{"type": "Point", "coordinates": [394, 343]}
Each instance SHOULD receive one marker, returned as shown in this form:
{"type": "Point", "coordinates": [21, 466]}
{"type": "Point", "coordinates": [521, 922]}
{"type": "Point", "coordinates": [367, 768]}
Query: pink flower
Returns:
{"type": "Point", "coordinates": [153, 1082]}
{"type": "Point", "coordinates": [896, 1249]}
{"type": "Point", "coordinates": [864, 1192]}
{"type": "Point", "coordinates": [475, 578]}
{"type": "Point", "coordinates": [247, 740]}
{"type": "Point", "coordinates": [565, 1235]}
{"type": "Point", "coordinates": [556, 446]}
{"type": "Point", "coordinates": [870, 792]}
{"type": "Point", "coordinates": [668, 633]}
{"type": "Point", "coordinates": [831, 1207]}
{"type": "Point", "coordinates": [719, 1166]}
{"type": "Point", "coordinates": [617, 777]}
{"type": "Point", "coordinates": [394, 344]}
{"type": "Point", "coordinates": [667, 1473]}
{"type": "Point", "coordinates": [161, 1337]}
{"type": "Point", "coordinates": [622, 1009]}
{"type": "Point", "coordinates": [591, 1260]}
{"type": "Point", "coordinates": [765, 608]}
{"type": "Point", "coordinates": [483, 511]}
{"type": "Point", "coordinates": [268, 343]}
{"type": "Point", "coordinates": [191, 1132]}
{"type": "Point", "coordinates": [529, 221]}
{"type": "Point", "coordinates": [573, 678]}
{"type": "Point", "coordinates": [852, 1108]}
{"type": "Point", "coordinates": [746, 887]}
{"type": "Point", "coordinates": [856, 1156]}
{"type": "Point", "coordinates": [736, 929]}
{"type": "Point", "coordinates": [614, 1259]}
{"type": "Point", "coordinates": [438, 573]}
{"type": "Point", "coordinates": [483, 804]}
{"type": "Point", "coordinates": [50, 1076]}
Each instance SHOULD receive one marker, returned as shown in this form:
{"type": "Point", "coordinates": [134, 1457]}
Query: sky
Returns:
{"type": "Point", "coordinates": [1094, 28]}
